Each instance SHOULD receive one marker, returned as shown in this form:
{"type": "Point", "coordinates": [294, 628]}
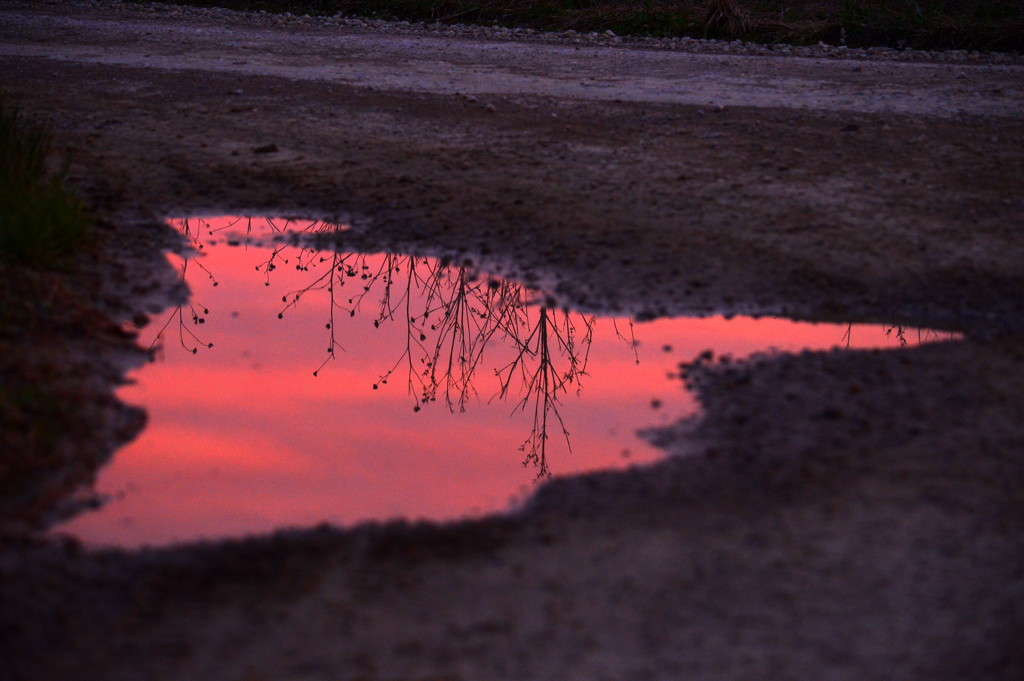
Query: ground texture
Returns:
{"type": "Point", "coordinates": [851, 515]}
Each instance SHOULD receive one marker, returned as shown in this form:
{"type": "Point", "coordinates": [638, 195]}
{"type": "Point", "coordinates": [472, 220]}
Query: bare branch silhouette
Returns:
{"type": "Point", "coordinates": [536, 364]}
{"type": "Point", "coordinates": [197, 312]}
{"type": "Point", "coordinates": [451, 316]}
{"type": "Point", "coordinates": [898, 332]}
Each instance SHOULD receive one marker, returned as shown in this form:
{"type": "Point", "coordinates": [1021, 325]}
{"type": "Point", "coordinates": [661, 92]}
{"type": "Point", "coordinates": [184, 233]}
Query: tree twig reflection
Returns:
{"type": "Point", "coordinates": [902, 335]}
{"type": "Point", "coordinates": [537, 368]}
{"type": "Point", "coordinates": [452, 317]}
{"type": "Point", "coordinates": [196, 311]}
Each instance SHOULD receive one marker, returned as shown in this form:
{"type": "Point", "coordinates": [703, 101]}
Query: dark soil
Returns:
{"type": "Point", "coordinates": [843, 515]}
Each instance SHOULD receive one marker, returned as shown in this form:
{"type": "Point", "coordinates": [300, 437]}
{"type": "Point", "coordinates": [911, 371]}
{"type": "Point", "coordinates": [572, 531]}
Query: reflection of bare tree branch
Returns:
{"type": "Point", "coordinates": [900, 333]}
{"type": "Point", "coordinates": [631, 339]}
{"type": "Point", "coordinates": [183, 329]}
{"type": "Point", "coordinates": [456, 317]}
{"type": "Point", "coordinates": [542, 380]}
{"type": "Point", "coordinates": [192, 231]}
{"type": "Point", "coordinates": [451, 316]}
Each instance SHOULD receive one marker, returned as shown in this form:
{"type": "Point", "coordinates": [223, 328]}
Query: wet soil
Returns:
{"type": "Point", "coordinates": [838, 515]}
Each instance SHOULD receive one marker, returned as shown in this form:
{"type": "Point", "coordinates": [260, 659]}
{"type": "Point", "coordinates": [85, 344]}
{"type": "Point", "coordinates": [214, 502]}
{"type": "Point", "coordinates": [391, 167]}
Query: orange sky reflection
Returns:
{"type": "Point", "coordinates": [244, 438]}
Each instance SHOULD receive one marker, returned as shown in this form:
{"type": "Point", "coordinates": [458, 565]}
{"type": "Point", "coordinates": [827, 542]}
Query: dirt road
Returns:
{"type": "Point", "coordinates": [734, 169]}
{"type": "Point", "coordinates": [840, 516]}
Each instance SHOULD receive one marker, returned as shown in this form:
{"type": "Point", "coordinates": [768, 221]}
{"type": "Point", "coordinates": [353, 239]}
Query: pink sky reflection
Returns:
{"type": "Point", "coordinates": [243, 438]}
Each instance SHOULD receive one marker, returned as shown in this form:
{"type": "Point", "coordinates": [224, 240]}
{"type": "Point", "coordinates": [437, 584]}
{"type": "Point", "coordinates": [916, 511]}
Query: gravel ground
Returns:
{"type": "Point", "coordinates": [116, 9]}
{"type": "Point", "coordinates": [845, 515]}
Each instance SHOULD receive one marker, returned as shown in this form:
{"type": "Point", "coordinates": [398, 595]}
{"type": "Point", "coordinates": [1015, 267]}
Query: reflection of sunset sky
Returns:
{"type": "Point", "coordinates": [243, 438]}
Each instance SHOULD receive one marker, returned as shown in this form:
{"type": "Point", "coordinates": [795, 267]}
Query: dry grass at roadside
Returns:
{"type": "Point", "coordinates": [49, 404]}
{"type": "Point", "coordinates": [922, 24]}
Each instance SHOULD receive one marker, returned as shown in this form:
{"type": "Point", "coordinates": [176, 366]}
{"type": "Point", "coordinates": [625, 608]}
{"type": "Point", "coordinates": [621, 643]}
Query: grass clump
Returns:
{"type": "Point", "coordinates": [40, 221]}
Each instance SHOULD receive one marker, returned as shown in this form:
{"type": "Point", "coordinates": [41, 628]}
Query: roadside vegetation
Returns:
{"type": "Point", "coordinates": [921, 24]}
{"type": "Point", "coordinates": [40, 221]}
{"type": "Point", "coordinates": [42, 226]}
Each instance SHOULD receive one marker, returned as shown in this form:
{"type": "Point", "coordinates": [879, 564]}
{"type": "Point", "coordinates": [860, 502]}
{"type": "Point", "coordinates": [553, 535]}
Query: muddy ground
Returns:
{"type": "Point", "coordinates": [852, 515]}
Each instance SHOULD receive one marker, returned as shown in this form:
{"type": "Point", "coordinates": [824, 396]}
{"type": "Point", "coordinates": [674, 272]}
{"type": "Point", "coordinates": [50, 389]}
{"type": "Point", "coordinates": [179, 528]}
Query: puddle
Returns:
{"type": "Point", "coordinates": [300, 387]}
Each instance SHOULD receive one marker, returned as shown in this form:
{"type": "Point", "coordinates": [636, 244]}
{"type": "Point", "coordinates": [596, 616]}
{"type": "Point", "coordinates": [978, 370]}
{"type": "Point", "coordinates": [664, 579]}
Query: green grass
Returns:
{"type": "Point", "coordinates": [40, 221]}
{"type": "Point", "coordinates": [930, 24]}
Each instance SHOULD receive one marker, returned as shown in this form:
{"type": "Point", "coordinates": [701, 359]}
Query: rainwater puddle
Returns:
{"type": "Point", "coordinates": [300, 387]}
